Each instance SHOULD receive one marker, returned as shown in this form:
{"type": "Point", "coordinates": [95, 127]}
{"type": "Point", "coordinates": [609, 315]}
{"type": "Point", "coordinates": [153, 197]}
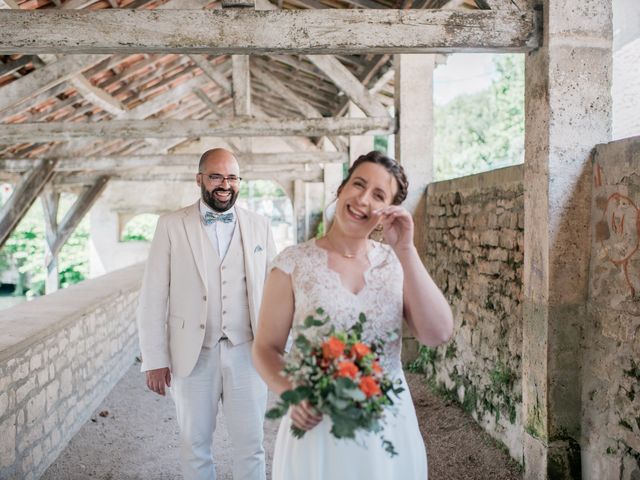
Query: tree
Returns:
{"type": "Point", "coordinates": [485, 130]}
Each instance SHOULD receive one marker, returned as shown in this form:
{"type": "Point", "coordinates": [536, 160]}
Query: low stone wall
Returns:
{"type": "Point", "coordinates": [60, 355]}
{"type": "Point", "coordinates": [473, 248]}
{"type": "Point", "coordinates": [611, 358]}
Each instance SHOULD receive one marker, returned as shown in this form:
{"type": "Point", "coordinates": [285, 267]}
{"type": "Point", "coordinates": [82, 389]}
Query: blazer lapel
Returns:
{"type": "Point", "coordinates": [193, 227]}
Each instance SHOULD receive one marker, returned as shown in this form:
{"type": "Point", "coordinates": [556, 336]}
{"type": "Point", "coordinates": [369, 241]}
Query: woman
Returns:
{"type": "Point", "coordinates": [346, 273]}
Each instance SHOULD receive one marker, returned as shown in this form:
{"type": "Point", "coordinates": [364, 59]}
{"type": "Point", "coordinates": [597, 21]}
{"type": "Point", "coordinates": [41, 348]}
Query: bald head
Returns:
{"type": "Point", "coordinates": [219, 179]}
{"type": "Point", "coordinates": [212, 157]}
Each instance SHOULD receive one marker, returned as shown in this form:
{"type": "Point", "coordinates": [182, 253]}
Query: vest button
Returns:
{"type": "Point", "coordinates": [202, 326]}
{"type": "Point", "coordinates": [204, 298]}
{"type": "Point", "coordinates": [224, 297]}
{"type": "Point", "coordinates": [224, 311]}
{"type": "Point", "coordinates": [224, 282]}
{"type": "Point", "coordinates": [223, 267]}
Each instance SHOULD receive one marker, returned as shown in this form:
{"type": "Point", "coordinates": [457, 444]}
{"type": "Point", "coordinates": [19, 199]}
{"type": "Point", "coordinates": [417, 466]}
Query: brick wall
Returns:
{"type": "Point", "coordinates": [473, 248]}
{"type": "Point", "coordinates": [60, 355]}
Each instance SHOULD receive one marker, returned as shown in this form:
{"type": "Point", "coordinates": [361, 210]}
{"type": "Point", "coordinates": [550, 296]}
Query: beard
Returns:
{"type": "Point", "coordinates": [218, 206]}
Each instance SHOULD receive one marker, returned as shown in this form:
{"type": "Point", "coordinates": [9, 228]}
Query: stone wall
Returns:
{"type": "Point", "coordinates": [60, 355]}
{"type": "Point", "coordinates": [473, 249]}
{"type": "Point", "coordinates": [611, 358]}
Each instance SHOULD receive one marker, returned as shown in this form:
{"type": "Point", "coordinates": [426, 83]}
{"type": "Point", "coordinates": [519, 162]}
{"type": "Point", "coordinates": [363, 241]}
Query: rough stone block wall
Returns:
{"type": "Point", "coordinates": [611, 358]}
{"type": "Point", "coordinates": [60, 355]}
{"type": "Point", "coordinates": [473, 249]}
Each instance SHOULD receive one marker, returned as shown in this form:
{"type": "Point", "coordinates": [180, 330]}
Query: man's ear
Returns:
{"type": "Point", "coordinates": [199, 180]}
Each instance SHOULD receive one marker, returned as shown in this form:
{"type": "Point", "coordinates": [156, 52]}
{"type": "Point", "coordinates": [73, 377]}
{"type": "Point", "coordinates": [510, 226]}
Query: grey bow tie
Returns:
{"type": "Point", "coordinates": [210, 217]}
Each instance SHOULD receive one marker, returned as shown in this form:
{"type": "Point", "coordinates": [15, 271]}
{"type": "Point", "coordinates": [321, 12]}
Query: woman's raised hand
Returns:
{"type": "Point", "coordinates": [397, 224]}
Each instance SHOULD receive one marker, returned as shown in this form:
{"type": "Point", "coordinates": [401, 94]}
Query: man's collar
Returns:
{"type": "Point", "coordinates": [206, 208]}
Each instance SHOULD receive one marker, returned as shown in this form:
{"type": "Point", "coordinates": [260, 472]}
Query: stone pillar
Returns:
{"type": "Point", "coordinates": [568, 112]}
{"type": "Point", "coordinates": [358, 144]}
{"type": "Point", "coordinates": [333, 174]}
{"type": "Point", "coordinates": [299, 209]}
{"type": "Point", "coordinates": [414, 110]}
{"type": "Point", "coordinates": [414, 148]}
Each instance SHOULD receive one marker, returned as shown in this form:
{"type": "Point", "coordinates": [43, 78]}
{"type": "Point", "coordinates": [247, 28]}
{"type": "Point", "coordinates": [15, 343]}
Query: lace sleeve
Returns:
{"type": "Point", "coordinates": [285, 261]}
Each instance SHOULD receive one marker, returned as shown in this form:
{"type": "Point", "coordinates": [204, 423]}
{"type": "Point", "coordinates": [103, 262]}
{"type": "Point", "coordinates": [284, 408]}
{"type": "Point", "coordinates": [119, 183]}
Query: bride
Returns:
{"type": "Point", "coordinates": [346, 273]}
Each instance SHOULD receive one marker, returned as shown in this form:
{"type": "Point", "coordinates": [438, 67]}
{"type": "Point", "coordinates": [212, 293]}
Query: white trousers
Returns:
{"type": "Point", "coordinates": [224, 372]}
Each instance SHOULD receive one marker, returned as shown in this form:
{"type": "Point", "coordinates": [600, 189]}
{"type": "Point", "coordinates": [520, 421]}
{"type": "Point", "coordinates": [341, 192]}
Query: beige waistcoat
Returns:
{"type": "Point", "coordinates": [228, 308]}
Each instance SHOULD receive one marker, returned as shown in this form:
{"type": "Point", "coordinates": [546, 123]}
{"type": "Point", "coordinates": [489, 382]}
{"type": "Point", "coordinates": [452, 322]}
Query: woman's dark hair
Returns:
{"type": "Point", "coordinates": [390, 165]}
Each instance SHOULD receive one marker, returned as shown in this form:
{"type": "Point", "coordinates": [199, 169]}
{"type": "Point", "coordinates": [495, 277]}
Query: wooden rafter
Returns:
{"type": "Point", "coordinates": [24, 194]}
{"type": "Point", "coordinates": [76, 213]}
{"type": "Point", "coordinates": [349, 84]}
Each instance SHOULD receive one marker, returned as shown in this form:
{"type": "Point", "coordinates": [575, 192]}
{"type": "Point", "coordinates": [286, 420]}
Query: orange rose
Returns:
{"type": "Point", "coordinates": [375, 366]}
{"type": "Point", "coordinates": [347, 369]}
{"type": "Point", "coordinates": [369, 386]}
{"type": "Point", "coordinates": [332, 348]}
{"type": "Point", "coordinates": [361, 350]}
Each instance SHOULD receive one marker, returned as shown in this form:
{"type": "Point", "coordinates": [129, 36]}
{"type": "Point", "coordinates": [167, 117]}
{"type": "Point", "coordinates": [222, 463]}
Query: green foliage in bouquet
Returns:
{"type": "Point", "coordinates": [340, 376]}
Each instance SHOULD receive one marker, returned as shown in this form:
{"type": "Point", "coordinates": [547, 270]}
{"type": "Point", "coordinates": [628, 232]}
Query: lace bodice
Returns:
{"type": "Point", "coordinates": [316, 285]}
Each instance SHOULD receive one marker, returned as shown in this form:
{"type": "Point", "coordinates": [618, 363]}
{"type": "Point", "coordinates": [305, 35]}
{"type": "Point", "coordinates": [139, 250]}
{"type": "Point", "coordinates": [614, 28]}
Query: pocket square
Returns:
{"type": "Point", "coordinates": [258, 249]}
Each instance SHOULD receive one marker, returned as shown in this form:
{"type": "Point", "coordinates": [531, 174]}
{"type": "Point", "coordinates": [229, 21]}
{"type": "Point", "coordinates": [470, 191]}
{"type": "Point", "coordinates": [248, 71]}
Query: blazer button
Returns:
{"type": "Point", "coordinates": [202, 326]}
{"type": "Point", "coordinates": [224, 311]}
{"type": "Point", "coordinates": [204, 298]}
{"type": "Point", "coordinates": [224, 282]}
{"type": "Point", "coordinates": [224, 297]}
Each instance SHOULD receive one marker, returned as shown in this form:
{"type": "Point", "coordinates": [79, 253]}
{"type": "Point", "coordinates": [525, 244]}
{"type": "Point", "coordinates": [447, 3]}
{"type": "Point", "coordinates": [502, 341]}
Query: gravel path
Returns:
{"type": "Point", "coordinates": [137, 438]}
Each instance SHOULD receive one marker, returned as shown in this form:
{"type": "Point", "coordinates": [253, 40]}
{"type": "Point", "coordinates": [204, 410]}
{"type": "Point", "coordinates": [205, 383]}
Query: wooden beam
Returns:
{"type": "Point", "coordinates": [97, 96]}
{"type": "Point", "coordinates": [76, 213]}
{"type": "Point", "coordinates": [239, 126]}
{"type": "Point", "coordinates": [23, 196]}
{"type": "Point", "coordinates": [238, 4]}
{"type": "Point", "coordinates": [15, 65]}
{"type": "Point", "coordinates": [9, 4]}
{"type": "Point", "coordinates": [241, 82]}
{"type": "Point", "coordinates": [117, 162]}
{"type": "Point", "coordinates": [213, 73]}
{"type": "Point", "coordinates": [50, 200]}
{"type": "Point", "coordinates": [284, 92]}
{"type": "Point", "coordinates": [280, 175]}
{"type": "Point", "coordinates": [280, 89]}
{"type": "Point", "coordinates": [349, 84]}
{"type": "Point", "coordinates": [243, 31]}
{"type": "Point", "coordinates": [44, 78]}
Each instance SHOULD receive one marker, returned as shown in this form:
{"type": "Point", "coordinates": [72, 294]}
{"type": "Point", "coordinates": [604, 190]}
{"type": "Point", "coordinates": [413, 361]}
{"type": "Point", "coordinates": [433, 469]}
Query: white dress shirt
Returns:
{"type": "Point", "coordinates": [219, 233]}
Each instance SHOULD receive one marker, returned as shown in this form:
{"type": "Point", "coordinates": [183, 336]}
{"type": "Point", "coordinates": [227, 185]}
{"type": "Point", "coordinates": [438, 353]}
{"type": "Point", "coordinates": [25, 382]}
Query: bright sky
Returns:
{"type": "Point", "coordinates": [463, 73]}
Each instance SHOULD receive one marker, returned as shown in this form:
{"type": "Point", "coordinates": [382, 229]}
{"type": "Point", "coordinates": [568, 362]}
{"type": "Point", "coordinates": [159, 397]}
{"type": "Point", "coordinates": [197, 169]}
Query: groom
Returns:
{"type": "Point", "coordinates": [197, 316]}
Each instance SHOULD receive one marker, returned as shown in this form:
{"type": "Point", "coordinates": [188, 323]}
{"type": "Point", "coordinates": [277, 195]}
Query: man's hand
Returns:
{"type": "Point", "coordinates": [158, 379]}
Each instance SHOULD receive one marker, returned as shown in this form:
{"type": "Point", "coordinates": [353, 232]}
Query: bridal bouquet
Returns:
{"type": "Point", "coordinates": [340, 376]}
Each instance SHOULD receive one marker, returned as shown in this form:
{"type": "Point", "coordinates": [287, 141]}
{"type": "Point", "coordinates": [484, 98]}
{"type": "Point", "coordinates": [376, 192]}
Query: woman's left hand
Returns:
{"type": "Point", "coordinates": [397, 224]}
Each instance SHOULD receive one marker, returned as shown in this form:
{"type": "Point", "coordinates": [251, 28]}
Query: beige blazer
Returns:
{"type": "Point", "coordinates": [173, 300]}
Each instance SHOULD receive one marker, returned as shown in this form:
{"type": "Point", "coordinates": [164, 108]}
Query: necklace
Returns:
{"type": "Point", "coordinates": [345, 255]}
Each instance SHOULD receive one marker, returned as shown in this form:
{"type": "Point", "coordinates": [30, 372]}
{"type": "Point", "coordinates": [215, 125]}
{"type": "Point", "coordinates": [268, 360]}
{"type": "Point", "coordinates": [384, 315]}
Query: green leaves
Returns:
{"type": "Point", "coordinates": [311, 322]}
{"type": "Point", "coordinates": [485, 130]}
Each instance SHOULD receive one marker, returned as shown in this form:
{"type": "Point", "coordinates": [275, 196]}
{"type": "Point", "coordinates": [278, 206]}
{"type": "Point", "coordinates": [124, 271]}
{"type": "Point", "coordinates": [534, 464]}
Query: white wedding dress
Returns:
{"type": "Point", "coordinates": [318, 455]}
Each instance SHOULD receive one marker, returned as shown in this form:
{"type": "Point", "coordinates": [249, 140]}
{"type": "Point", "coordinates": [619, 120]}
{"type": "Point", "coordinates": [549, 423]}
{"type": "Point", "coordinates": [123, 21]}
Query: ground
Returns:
{"type": "Point", "coordinates": [133, 435]}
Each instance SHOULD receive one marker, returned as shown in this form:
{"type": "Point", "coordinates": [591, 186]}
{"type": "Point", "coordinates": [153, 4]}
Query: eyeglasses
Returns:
{"type": "Point", "coordinates": [217, 179]}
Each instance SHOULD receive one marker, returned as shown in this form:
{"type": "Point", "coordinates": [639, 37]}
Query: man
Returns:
{"type": "Point", "coordinates": [197, 316]}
